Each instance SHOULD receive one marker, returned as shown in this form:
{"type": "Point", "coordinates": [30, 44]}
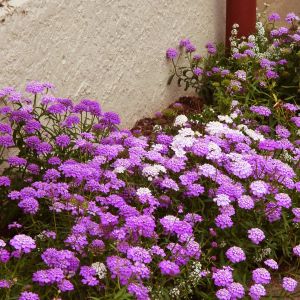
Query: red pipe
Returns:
{"type": "Point", "coordinates": [242, 12]}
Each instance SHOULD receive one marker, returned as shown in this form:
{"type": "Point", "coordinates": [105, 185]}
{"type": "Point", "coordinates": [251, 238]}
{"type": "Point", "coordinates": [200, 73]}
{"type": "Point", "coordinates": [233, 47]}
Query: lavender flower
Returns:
{"type": "Point", "coordinates": [235, 254]}
{"type": "Point", "coordinates": [171, 53]}
{"type": "Point", "coordinates": [29, 296]}
{"type": "Point", "coordinates": [289, 284]}
{"type": "Point", "coordinates": [23, 243]}
{"type": "Point", "coordinates": [169, 268]}
{"type": "Point", "coordinates": [256, 235]}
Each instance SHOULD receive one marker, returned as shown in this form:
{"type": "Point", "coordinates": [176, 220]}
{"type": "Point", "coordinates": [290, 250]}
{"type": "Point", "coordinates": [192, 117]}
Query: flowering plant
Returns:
{"type": "Point", "coordinates": [263, 68]}
{"type": "Point", "coordinates": [209, 207]}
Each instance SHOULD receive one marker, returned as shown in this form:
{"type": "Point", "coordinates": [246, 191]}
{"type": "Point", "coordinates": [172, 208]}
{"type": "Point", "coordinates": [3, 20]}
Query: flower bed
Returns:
{"type": "Point", "coordinates": [207, 207]}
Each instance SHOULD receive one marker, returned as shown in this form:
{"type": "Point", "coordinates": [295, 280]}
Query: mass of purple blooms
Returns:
{"type": "Point", "coordinates": [93, 211]}
{"type": "Point", "coordinates": [207, 208]}
{"type": "Point", "coordinates": [263, 67]}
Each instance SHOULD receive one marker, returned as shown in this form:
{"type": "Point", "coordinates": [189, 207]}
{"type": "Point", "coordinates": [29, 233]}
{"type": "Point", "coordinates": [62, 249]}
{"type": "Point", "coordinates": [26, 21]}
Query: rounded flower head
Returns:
{"type": "Point", "coordinates": [271, 263]}
{"type": "Point", "coordinates": [223, 294]}
{"type": "Point", "coordinates": [171, 53]}
{"type": "Point", "coordinates": [283, 200]}
{"type": "Point", "coordinates": [139, 291]}
{"type": "Point", "coordinates": [198, 71]}
{"type": "Point", "coordinates": [256, 235]}
{"type": "Point", "coordinates": [274, 17]}
{"type": "Point", "coordinates": [290, 17]}
{"type": "Point", "coordinates": [236, 290]}
{"type": "Point", "coordinates": [29, 296]}
{"type": "Point", "coordinates": [139, 254]}
{"type": "Point", "coordinates": [259, 188]}
{"type": "Point", "coordinates": [257, 291]}
{"type": "Point", "coordinates": [235, 254]}
{"type": "Point", "coordinates": [261, 276]}
{"type": "Point", "coordinates": [289, 284]}
{"type": "Point", "coordinates": [296, 250]}
{"type": "Point", "coordinates": [23, 243]}
{"type": "Point", "coordinates": [246, 202]}
{"type": "Point", "coordinates": [223, 277]}
{"type": "Point", "coordinates": [261, 110]}
{"type": "Point", "coordinates": [169, 268]}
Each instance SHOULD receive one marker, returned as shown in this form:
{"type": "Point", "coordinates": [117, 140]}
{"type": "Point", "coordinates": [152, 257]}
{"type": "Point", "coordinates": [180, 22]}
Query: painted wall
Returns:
{"type": "Point", "coordinates": [110, 50]}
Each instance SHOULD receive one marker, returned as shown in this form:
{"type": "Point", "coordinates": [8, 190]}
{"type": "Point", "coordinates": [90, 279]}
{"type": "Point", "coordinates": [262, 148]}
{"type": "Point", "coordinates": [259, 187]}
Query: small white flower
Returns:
{"type": "Point", "coordinates": [251, 38]}
{"type": "Point", "coordinates": [157, 128]}
{"type": "Point", "coordinates": [180, 120]}
{"type": "Point", "coordinates": [143, 191]}
{"type": "Point", "coordinates": [225, 119]}
{"type": "Point", "coordinates": [100, 269]}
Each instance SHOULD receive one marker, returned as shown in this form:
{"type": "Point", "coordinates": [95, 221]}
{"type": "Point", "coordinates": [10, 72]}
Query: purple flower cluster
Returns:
{"type": "Point", "coordinates": [138, 209]}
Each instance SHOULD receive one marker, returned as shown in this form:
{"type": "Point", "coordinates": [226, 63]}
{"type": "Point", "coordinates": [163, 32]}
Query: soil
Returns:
{"type": "Point", "coordinates": [184, 105]}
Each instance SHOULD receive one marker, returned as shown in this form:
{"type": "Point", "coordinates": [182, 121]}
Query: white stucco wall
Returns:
{"type": "Point", "coordinates": [110, 50]}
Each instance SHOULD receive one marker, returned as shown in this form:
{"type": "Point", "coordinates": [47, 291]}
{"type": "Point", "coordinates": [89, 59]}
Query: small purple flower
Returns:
{"type": "Point", "coordinates": [223, 294]}
{"type": "Point", "coordinates": [6, 140]}
{"type": "Point", "coordinates": [184, 42]}
{"type": "Point", "coordinates": [211, 48]}
{"type": "Point", "coordinates": [35, 87]}
{"type": "Point", "coordinates": [4, 181]}
{"type": "Point", "coordinates": [29, 296]}
{"type": "Point", "coordinates": [257, 291]}
{"type": "Point", "coordinates": [62, 140]}
{"type": "Point", "coordinates": [261, 276]}
{"type": "Point", "coordinates": [23, 243]}
{"type": "Point", "coordinates": [259, 188]}
{"type": "Point", "coordinates": [271, 263]}
{"type": "Point", "coordinates": [5, 284]}
{"type": "Point", "coordinates": [235, 254]}
{"type": "Point", "coordinates": [256, 235]}
{"type": "Point", "coordinates": [139, 291]}
{"type": "Point", "coordinates": [89, 276]}
{"type": "Point", "coordinates": [29, 205]}
{"type": "Point", "coordinates": [171, 53]}
{"type": "Point", "coordinates": [283, 200]}
{"type": "Point", "coordinates": [223, 221]}
{"type": "Point", "coordinates": [223, 277]}
{"type": "Point", "coordinates": [246, 202]}
{"type": "Point", "coordinates": [198, 71]}
{"type": "Point", "coordinates": [4, 256]}
{"type": "Point", "coordinates": [190, 48]}
{"type": "Point", "coordinates": [289, 284]}
{"type": "Point", "coordinates": [236, 290]}
{"type": "Point", "coordinates": [16, 161]}
{"type": "Point", "coordinates": [271, 74]}
{"type": "Point", "coordinates": [261, 110]}
{"type": "Point", "coordinates": [290, 17]}
{"type": "Point", "coordinates": [296, 250]}
{"type": "Point", "coordinates": [274, 17]}
{"type": "Point", "coordinates": [139, 254]}
{"type": "Point", "coordinates": [169, 268]}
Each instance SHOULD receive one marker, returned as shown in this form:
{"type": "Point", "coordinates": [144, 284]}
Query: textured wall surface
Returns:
{"type": "Point", "coordinates": [110, 50]}
{"type": "Point", "coordinates": [283, 7]}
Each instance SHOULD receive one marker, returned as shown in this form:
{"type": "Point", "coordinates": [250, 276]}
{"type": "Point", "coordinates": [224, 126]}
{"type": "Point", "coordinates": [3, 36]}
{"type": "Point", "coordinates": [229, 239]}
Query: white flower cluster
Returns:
{"type": "Point", "coordinates": [100, 269]}
{"type": "Point", "coordinates": [254, 135]}
{"type": "Point", "coordinates": [152, 171]}
{"type": "Point", "coordinates": [225, 118]}
{"type": "Point", "coordinates": [180, 120]}
{"type": "Point", "coordinates": [143, 191]}
{"type": "Point", "coordinates": [184, 138]}
{"type": "Point", "coordinates": [260, 29]}
{"type": "Point", "coordinates": [219, 129]}
{"type": "Point", "coordinates": [194, 275]}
